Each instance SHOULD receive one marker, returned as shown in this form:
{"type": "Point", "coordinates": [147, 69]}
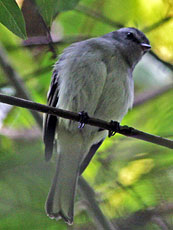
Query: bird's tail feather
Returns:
{"type": "Point", "coordinates": [60, 199]}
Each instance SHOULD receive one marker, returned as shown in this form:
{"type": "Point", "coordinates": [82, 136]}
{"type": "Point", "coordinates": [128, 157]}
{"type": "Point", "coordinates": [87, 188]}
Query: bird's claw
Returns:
{"type": "Point", "coordinates": [115, 127]}
{"type": "Point", "coordinates": [83, 119]}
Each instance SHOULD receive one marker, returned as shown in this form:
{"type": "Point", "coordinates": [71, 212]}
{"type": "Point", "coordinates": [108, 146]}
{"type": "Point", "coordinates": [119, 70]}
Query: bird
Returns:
{"type": "Point", "coordinates": [94, 76]}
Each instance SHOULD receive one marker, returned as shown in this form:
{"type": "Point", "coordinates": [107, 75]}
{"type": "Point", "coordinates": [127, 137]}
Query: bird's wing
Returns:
{"type": "Point", "coordinates": [50, 121]}
{"type": "Point", "coordinates": [89, 156]}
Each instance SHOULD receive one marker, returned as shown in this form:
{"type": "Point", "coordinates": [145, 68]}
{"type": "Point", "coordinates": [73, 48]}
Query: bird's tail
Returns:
{"type": "Point", "coordinates": [60, 201]}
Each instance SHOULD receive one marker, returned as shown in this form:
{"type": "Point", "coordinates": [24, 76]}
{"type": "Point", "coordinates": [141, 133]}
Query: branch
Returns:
{"type": "Point", "coordinates": [21, 134]}
{"type": "Point", "coordinates": [42, 41]}
{"type": "Point", "coordinates": [160, 222]}
{"type": "Point", "coordinates": [124, 130]}
{"type": "Point", "coordinates": [140, 98]}
{"type": "Point", "coordinates": [31, 75]}
{"type": "Point", "coordinates": [16, 81]}
{"type": "Point", "coordinates": [137, 219]}
{"type": "Point", "coordinates": [142, 217]}
{"type": "Point", "coordinates": [146, 96]}
{"type": "Point", "coordinates": [167, 64]}
{"type": "Point", "coordinates": [94, 14]}
{"type": "Point", "coordinates": [89, 195]}
{"type": "Point", "coordinates": [30, 134]}
{"type": "Point", "coordinates": [157, 24]}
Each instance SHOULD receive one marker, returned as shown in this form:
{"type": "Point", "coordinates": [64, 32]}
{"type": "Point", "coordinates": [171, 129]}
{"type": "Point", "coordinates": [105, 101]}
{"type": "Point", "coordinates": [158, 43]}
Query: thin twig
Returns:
{"type": "Point", "coordinates": [133, 194]}
{"type": "Point", "coordinates": [124, 130]}
{"type": "Point", "coordinates": [156, 25]}
{"type": "Point", "coordinates": [101, 223]}
{"type": "Point", "coordinates": [16, 81]}
{"type": "Point", "coordinates": [167, 64]}
{"type": "Point", "coordinates": [94, 14]}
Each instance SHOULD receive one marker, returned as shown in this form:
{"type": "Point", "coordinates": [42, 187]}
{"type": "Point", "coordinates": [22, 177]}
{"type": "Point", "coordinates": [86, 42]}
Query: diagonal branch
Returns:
{"type": "Point", "coordinates": [16, 81]}
{"type": "Point", "coordinates": [167, 64]}
{"type": "Point", "coordinates": [96, 15]}
{"type": "Point", "coordinates": [124, 130]}
{"type": "Point", "coordinates": [157, 24]}
{"type": "Point", "coordinates": [146, 96]}
{"type": "Point", "coordinates": [89, 195]}
{"type": "Point", "coordinates": [144, 216]}
{"type": "Point", "coordinates": [160, 222]}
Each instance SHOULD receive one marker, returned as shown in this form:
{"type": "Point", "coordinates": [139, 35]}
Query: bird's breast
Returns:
{"type": "Point", "coordinates": [117, 96]}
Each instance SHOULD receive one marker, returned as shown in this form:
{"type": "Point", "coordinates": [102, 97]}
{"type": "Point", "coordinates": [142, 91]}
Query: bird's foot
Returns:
{"type": "Point", "coordinates": [83, 119]}
{"type": "Point", "coordinates": [115, 127]}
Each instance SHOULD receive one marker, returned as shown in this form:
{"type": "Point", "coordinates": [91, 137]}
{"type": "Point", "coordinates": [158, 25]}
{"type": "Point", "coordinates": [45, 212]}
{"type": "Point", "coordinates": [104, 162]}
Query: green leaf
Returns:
{"type": "Point", "coordinates": [12, 18]}
{"type": "Point", "coordinates": [49, 9]}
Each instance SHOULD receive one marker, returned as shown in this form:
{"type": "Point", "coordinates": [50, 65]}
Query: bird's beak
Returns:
{"type": "Point", "coordinates": [145, 47]}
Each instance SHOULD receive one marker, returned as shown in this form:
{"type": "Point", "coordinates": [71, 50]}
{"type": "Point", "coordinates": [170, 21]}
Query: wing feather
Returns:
{"type": "Point", "coordinates": [89, 156]}
{"type": "Point", "coordinates": [50, 121]}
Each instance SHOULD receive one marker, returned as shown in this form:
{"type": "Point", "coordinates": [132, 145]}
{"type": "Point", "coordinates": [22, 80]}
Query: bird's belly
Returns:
{"type": "Point", "coordinates": [116, 99]}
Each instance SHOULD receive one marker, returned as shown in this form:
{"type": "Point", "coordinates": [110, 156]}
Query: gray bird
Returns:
{"type": "Point", "coordinates": [94, 76]}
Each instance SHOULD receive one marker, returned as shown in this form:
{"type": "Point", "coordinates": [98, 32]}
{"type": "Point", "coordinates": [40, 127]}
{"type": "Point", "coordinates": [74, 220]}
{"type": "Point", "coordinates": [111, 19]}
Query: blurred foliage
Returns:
{"type": "Point", "coordinates": [128, 175]}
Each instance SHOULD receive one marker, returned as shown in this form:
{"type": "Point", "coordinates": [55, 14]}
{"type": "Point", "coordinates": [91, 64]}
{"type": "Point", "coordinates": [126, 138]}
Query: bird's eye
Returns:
{"type": "Point", "coordinates": [130, 36]}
